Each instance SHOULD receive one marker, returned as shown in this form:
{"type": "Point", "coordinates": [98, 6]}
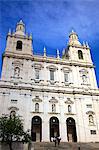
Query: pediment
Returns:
{"type": "Point", "coordinates": [68, 101]}
{"type": "Point", "coordinates": [83, 71]}
{"type": "Point", "coordinates": [37, 99]}
{"type": "Point", "coordinates": [52, 67]}
{"type": "Point", "coordinates": [12, 108]}
{"type": "Point", "coordinates": [37, 66]}
{"type": "Point", "coordinates": [66, 69]}
{"type": "Point", "coordinates": [90, 113]}
{"type": "Point", "coordinates": [17, 63]}
{"type": "Point", "coordinates": [53, 100]}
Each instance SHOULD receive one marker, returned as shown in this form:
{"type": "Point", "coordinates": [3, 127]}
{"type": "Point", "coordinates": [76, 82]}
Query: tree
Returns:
{"type": "Point", "coordinates": [11, 129]}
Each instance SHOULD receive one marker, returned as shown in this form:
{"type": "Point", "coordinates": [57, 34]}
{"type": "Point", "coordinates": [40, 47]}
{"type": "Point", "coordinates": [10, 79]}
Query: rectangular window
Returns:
{"type": "Point", "coordinates": [89, 105]}
{"type": "Point", "coordinates": [66, 77]}
{"type": "Point", "coordinates": [52, 75]}
{"type": "Point", "coordinates": [36, 74]}
{"type": "Point", "coordinates": [93, 131]}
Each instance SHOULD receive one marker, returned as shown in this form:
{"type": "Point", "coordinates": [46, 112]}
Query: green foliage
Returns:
{"type": "Point", "coordinates": [11, 129]}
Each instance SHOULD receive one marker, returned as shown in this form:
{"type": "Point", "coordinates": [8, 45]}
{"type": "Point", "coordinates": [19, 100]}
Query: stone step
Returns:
{"type": "Point", "coordinates": [64, 146]}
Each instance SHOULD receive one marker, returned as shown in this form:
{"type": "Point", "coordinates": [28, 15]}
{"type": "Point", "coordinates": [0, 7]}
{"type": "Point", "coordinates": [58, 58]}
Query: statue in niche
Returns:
{"type": "Point", "coordinates": [69, 108]}
{"type": "Point", "coordinates": [17, 72]}
{"type": "Point", "coordinates": [91, 120]}
{"type": "Point", "coordinates": [84, 78]}
{"type": "Point", "coordinates": [53, 108]}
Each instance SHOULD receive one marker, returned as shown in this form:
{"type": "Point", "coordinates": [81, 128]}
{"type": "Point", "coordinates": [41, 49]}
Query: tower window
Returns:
{"type": "Point", "coordinates": [66, 77]}
{"type": "Point", "coordinates": [19, 45]}
{"type": "Point", "coordinates": [36, 74]}
{"type": "Point", "coordinates": [52, 75]}
{"type": "Point", "coordinates": [80, 54]}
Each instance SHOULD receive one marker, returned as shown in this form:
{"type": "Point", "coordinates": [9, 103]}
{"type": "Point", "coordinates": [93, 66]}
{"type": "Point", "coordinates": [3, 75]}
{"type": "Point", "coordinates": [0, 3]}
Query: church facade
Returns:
{"type": "Point", "coordinates": [54, 96]}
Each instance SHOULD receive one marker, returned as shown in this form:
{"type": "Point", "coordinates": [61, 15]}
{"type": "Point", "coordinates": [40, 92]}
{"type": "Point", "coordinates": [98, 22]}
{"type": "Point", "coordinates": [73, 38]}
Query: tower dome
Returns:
{"type": "Point", "coordinates": [20, 28]}
{"type": "Point", "coordinates": [73, 39]}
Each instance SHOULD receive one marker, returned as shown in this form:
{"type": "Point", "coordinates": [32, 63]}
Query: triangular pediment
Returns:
{"type": "Point", "coordinates": [69, 101]}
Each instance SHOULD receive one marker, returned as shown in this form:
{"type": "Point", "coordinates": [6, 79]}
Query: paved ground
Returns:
{"type": "Point", "coordinates": [66, 146]}
{"type": "Point", "coordinates": [51, 146]}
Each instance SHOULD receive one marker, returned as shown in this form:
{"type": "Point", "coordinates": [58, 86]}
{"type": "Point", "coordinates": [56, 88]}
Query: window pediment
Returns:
{"type": "Point", "coordinates": [13, 108]}
{"type": "Point", "coordinates": [37, 66]}
{"type": "Point", "coordinates": [66, 69]}
{"type": "Point", "coordinates": [52, 67]}
{"type": "Point", "coordinates": [37, 99]}
{"type": "Point", "coordinates": [90, 113]}
{"type": "Point", "coordinates": [68, 101]}
{"type": "Point", "coordinates": [17, 63]}
{"type": "Point", "coordinates": [83, 71]}
{"type": "Point", "coordinates": [53, 100]}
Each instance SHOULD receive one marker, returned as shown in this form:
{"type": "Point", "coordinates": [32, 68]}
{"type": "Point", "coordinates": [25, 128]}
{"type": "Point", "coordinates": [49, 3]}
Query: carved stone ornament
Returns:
{"type": "Point", "coordinates": [37, 99]}
{"type": "Point", "coordinates": [52, 67]}
{"type": "Point", "coordinates": [17, 63]}
{"type": "Point", "coordinates": [83, 71]}
{"type": "Point", "coordinates": [53, 100]}
{"type": "Point", "coordinates": [90, 113]}
{"type": "Point", "coordinates": [68, 101]}
{"type": "Point", "coordinates": [37, 66]}
{"type": "Point", "coordinates": [66, 69]}
{"type": "Point", "coordinates": [12, 108]}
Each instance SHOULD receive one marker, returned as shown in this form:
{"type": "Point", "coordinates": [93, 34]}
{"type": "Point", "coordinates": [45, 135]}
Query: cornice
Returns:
{"type": "Point", "coordinates": [51, 60]}
{"type": "Point", "coordinates": [44, 88]}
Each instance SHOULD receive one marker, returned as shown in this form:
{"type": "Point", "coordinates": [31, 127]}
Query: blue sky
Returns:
{"type": "Point", "coordinates": [51, 21]}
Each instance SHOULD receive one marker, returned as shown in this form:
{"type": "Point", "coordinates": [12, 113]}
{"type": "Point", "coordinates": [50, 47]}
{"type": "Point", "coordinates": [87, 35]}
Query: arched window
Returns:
{"type": "Point", "coordinates": [80, 54]}
{"type": "Point", "coordinates": [53, 108]}
{"type": "Point", "coordinates": [36, 107]}
{"type": "Point", "coordinates": [16, 71]}
{"type": "Point", "coordinates": [69, 108]}
{"type": "Point", "coordinates": [91, 120]}
{"type": "Point", "coordinates": [19, 45]}
{"type": "Point", "coordinates": [12, 114]}
{"type": "Point", "coordinates": [84, 78]}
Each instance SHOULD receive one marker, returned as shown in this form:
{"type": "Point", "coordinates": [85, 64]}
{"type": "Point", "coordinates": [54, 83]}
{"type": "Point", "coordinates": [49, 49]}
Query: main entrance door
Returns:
{"type": "Point", "coordinates": [54, 127]}
{"type": "Point", "coordinates": [36, 129]}
{"type": "Point", "coordinates": [71, 130]}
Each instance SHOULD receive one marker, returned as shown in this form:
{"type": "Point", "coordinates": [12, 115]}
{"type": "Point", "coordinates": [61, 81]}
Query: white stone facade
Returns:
{"type": "Point", "coordinates": [46, 87]}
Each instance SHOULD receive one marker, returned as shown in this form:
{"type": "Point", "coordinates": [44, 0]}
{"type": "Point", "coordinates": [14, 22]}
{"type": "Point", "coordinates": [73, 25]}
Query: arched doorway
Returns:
{"type": "Point", "coordinates": [71, 130]}
{"type": "Point", "coordinates": [36, 129]}
{"type": "Point", "coordinates": [54, 127]}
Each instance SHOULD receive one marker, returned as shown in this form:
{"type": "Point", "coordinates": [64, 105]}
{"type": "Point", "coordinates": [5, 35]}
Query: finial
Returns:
{"type": "Point", "coordinates": [26, 35]}
{"type": "Point", "coordinates": [87, 45]}
{"type": "Point", "coordinates": [84, 44]}
{"type": "Point", "coordinates": [30, 37]}
{"type": "Point", "coordinates": [72, 31]}
{"type": "Point", "coordinates": [9, 33]}
{"type": "Point", "coordinates": [44, 52]}
{"type": "Point", "coordinates": [58, 53]}
{"type": "Point", "coordinates": [63, 52]}
{"type": "Point", "coordinates": [21, 22]}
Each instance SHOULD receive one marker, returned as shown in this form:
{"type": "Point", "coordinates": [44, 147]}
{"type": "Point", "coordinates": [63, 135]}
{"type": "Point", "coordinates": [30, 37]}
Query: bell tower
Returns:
{"type": "Point", "coordinates": [76, 51]}
{"type": "Point", "coordinates": [19, 42]}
